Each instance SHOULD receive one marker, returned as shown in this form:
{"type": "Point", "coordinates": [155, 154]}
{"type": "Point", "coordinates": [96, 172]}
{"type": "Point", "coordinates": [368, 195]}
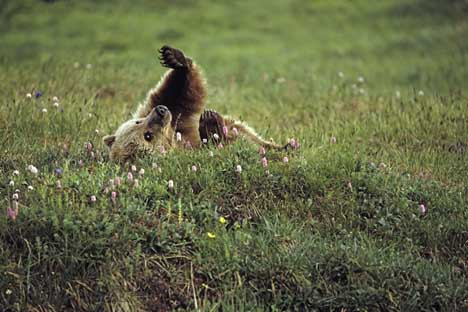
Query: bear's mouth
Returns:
{"type": "Point", "coordinates": [160, 115]}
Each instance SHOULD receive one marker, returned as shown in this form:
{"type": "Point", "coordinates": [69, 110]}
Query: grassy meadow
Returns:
{"type": "Point", "coordinates": [369, 214]}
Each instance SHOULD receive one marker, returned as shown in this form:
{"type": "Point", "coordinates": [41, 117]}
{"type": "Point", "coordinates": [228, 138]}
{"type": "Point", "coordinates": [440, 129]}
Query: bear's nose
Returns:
{"type": "Point", "coordinates": [161, 110]}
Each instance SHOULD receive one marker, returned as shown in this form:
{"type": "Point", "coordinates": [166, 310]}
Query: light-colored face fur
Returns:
{"type": "Point", "coordinates": [142, 135]}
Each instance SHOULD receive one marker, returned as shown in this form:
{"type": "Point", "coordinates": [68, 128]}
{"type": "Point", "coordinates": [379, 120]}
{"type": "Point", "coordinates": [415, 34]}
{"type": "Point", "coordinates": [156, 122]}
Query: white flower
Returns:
{"type": "Point", "coordinates": [141, 172]}
{"type": "Point", "coordinates": [178, 137]}
{"type": "Point", "coordinates": [56, 104]}
{"type": "Point", "coordinates": [362, 91]}
{"type": "Point", "coordinates": [44, 110]}
{"type": "Point", "coordinates": [89, 66]}
{"type": "Point", "coordinates": [32, 169]}
{"type": "Point", "coordinates": [76, 64]}
{"type": "Point", "coordinates": [30, 187]}
{"type": "Point", "coordinates": [134, 168]}
{"type": "Point", "coordinates": [285, 159]}
{"type": "Point", "coordinates": [12, 183]}
{"type": "Point", "coordinates": [211, 153]}
{"type": "Point", "coordinates": [281, 80]}
{"type": "Point", "coordinates": [55, 99]}
{"type": "Point", "coordinates": [340, 74]}
{"type": "Point", "coordinates": [420, 93]}
{"type": "Point", "coordinates": [29, 95]}
{"type": "Point", "coordinates": [397, 94]}
{"type": "Point", "coordinates": [170, 184]}
{"type": "Point", "coordinates": [238, 169]}
{"type": "Point", "coordinates": [16, 172]}
{"type": "Point", "coordinates": [205, 141]}
{"type": "Point", "coordinates": [96, 131]}
{"type": "Point", "coordinates": [194, 168]}
{"type": "Point", "coordinates": [360, 79]}
{"type": "Point", "coordinates": [333, 140]}
{"type": "Point", "coordinates": [15, 196]}
{"type": "Point", "coordinates": [216, 136]}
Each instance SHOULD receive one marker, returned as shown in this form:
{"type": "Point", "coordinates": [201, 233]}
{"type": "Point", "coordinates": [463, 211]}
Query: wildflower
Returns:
{"type": "Point", "coordinates": [58, 171]}
{"type": "Point", "coordinates": [8, 292]}
{"type": "Point", "coordinates": [141, 172]}
{"type": "Point", "coordinates": [15, 196]}
{"type": "Point", "coordinates": [235, 131]}
{"type": "Point", "coordinates": [285, 159]}
{"type": "Point", "coordinates": [113, 196]}
{"type": "Point", "coordinates": [340, 74]}
{"type": "Point", "coordinates": [362, 91]}
{"type": "Point", "coordinates": [360, 79]}
{"type": "Point", "coordinates": [159, 169]}
{"type": "Point", "coordinates": [91, 154]}
{"type": "Point", "coordinates": [211, 153]}
{"type": "Point", "coordinates": [28, 95]}
{"type": "Point", "coordinates": [222, 220]}
{"type": "Point", "coordinates": [12, 213]}
{"type": "Point", "coordinates": [129, 177]}
{"type": "Point", "coordinates": [420, 93]}
{"type": "Point", "coordinates": [225, 131]}
{"type": "Point", "coordinates": [30, 187]}
{"type": "Point", "coordinates": [281, 80]}
{"type": "Point", "coordinates": [154, 165]}
{"type": "Point", "coordinates": [170, 184]}
{"type": "Point", "coordinates": [333, 140]}
{"type": "Point", "coordinates": [38, 94]}
{"type": "Point", "coordinates": [89, 66]}
{"type": "Point", "coordinates": [96, 131]}
{"type": "Point", "coordinates": [118, 181]}
{"type": "Point", "coordinates": [261, 150]}
{"type": "Point", "coordinates": [12, 183]}
{"type": "Point", "coordinates": [81, 163]}
{"type": "Point", "coordinates": [216, 136]}
{"type": "Point", "coordinates": [44, 110]}
{"type": "Point", "coordinates": [382, 165]}
{"type": "Point", "coordinates": [264, 162]}
{"type": "Point", "coordinates": [93, 198]}
{"type": "Point", "coordinates": [111, 182]}
{"type": "Point", "coordinates": [350, 186]}
{"type": "Point", "coordinates": [397, 94]}
{"type": "Point", "coordinates": [76, 64]}
{"type": "Point", "coordinates": [90, 115]}
{"type": "Point", "coordinates": [293, 143]}
{"type": "Point", "coordinates": [32, 169]}
{"type": "Point", "coordinates": [211, 235]}
{"type": "Point", "coordinates": [220, 145]}
{"type": "Point", "coordinates": [188, 145]}
{"type": "Point", "coordinates": [58, 184]}
{"type": "Point", "coordinates": [136, 183]}
{"type": "Point", "coordinates": [238, 169]}
{"type": "Point", "coordinates": [162, 150]}
{"type": "Point", "coordinates": [178, 137]}
{"type": "Point", "coordinates": [106, 190]}
{"type": "Point", "coordinates": [56, 104]}
{"type": "Point", "coordinates": [55, 99]}
{"type": "Point", "coordinates": [194, 168]}
{"type": "Point", "coordinates": [204, 141]}
{"type": "Point", "coordinates": [422, 209]}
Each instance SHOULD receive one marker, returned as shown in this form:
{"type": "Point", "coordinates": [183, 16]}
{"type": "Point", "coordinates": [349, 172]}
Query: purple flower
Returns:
{"type": "Point", "coordinates": [12, 213]}
{"type": "Point", "coordinates": [225, 131]}
{"type": "Point", "coordinates": [261, 151]}
{"type": "Point", "coordinates": [235, 131]}
{"type": "Point", "coordinates": [38, 94]}
{"type": "Point", "coordinates": [58, 171]}
{"type": "Point", "coordinates": [422, 209]}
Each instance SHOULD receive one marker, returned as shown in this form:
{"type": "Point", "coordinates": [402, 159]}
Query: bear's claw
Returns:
{"type": "Point", "coordinates": [172, 58]}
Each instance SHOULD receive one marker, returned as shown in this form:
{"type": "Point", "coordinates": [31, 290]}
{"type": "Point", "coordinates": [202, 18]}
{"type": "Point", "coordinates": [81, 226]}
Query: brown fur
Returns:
{"type": "Point", "coordinates": [183, 91]}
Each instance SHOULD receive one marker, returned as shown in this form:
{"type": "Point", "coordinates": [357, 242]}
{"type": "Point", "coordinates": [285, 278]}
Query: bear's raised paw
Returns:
{"type": "Point", "coordinates": [172, 58]}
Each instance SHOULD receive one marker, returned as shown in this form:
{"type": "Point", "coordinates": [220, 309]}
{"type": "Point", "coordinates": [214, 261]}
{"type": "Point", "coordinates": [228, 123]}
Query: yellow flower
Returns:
{"type": "Point", "coordinates": [211, 235]}
{"type": "Point", "coordinates": [222, 220]}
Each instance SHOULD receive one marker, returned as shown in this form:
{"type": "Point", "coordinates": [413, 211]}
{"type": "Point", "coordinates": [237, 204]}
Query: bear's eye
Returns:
{"type": "Point", "coordinates": [148, 136]}
{"type": "Point", "coordinates": [137, 122]}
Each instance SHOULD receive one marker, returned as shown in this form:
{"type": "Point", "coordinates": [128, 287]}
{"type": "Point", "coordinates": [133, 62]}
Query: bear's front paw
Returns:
{"type": "Point", "coordinates": [172, 58]}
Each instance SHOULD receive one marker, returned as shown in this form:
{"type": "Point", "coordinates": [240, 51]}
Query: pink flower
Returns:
{"type": "Point", "coordinates": [261, 150]}
{"type": "Point", "coordinates": [333, 140]}
{"type": "Point", "coordinates": [113, 196]}
{"type": "Point", "coordinates": [80, 163]}
{"type": "Point", "coordinates": [194, 168]}
{"type": "Point", "coordinates": [294, 144]}
{"type": "Point", "coordinates": [117, 181]}
{"type": "Point", "coordinates": [235, 131]}
{"type": "Point", "coordinates": [220, 145]}
{"type": "Point", "coordinates": [93, 198]}
{"type": "Point", "coordinates": [225, 131]}
{"type": "Point", "coordinates": [89, 146]}
{"type": "Point", "coordinates": [239, 169]}
{"type": "Point", "coordinates": [134, 168]}
{"type": "Point", "coordinates": [285, 159]}
{"type": "Point", "coordinates": [264, 162]}
{"type": "Point", "coordinates": [178, 137]}
{"type": "Point", "coordinates": [129, 177]}
{"type": "Point", "coordinates": [162, 150]}
{"type": "Point", "coordinates": [12, 213]}
{"type": "Point", "coordinates": [422, 209]}
{"type": "Point", "coordinates": [170, 184]}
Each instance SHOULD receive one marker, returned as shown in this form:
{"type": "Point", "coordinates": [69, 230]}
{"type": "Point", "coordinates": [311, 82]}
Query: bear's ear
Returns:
{"type": "Point", "coordinates": [109, 140]}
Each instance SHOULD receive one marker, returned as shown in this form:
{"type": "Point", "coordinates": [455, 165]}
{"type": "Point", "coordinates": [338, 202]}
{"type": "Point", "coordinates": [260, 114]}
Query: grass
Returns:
{"type": "Point", "coordinates": [337, 228]}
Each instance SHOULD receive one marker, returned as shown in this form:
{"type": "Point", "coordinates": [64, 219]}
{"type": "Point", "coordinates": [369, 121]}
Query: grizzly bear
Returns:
{"type": "Point", "coordinates": [174, 116]}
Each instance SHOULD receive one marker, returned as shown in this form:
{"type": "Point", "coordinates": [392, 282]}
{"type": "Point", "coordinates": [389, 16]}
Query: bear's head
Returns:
{"type": "Point", "coordinates": [141, 135]}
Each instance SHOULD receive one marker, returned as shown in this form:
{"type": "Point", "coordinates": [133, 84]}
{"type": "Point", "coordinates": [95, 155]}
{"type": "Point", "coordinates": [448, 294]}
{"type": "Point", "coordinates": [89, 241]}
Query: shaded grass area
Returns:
{"type": "Point", "coordinates": [337, 227]}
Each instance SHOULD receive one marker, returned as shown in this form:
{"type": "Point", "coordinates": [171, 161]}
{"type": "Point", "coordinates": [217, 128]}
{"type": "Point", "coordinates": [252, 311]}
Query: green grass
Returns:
{"type": "Point", "coordinates": [337, 228]}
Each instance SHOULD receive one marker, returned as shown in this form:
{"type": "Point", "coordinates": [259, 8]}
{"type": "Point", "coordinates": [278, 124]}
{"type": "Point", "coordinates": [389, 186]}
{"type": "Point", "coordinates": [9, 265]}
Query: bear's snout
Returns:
{"type": "Point", "coordinates": [162, 110]}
